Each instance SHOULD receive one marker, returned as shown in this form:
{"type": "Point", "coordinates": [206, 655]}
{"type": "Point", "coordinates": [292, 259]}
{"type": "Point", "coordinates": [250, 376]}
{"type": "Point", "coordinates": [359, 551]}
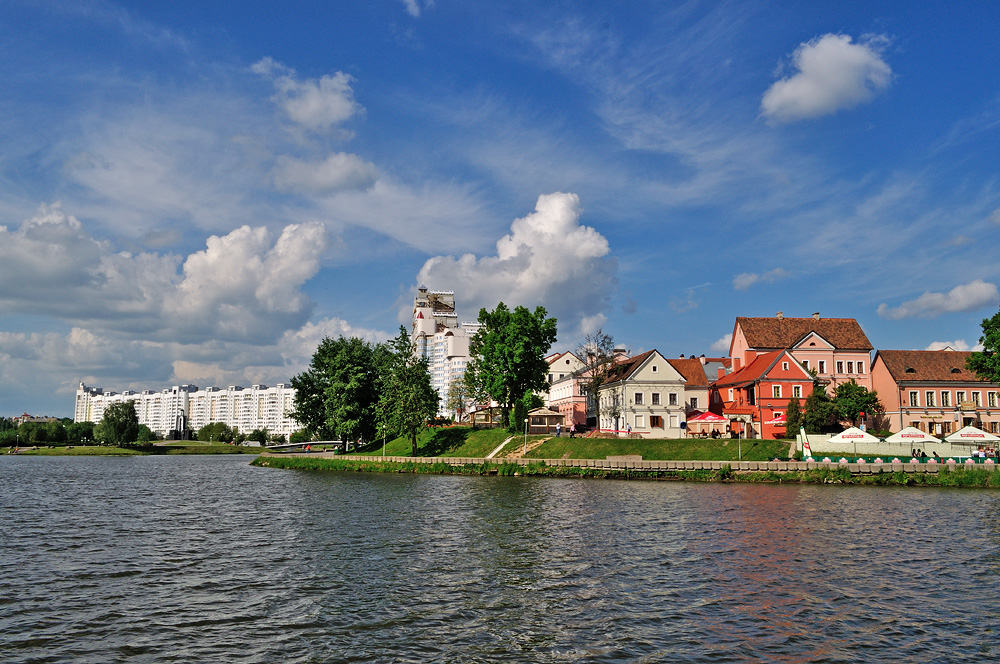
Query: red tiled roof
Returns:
{"type": "Point", "coordinates": [752, 371]}
{"type": "Point", "coordinates": [843, 333]}
{"type": "Point", "coordinates": [928, 365]}
{"type": "Point", "coordinates": [692, 369]}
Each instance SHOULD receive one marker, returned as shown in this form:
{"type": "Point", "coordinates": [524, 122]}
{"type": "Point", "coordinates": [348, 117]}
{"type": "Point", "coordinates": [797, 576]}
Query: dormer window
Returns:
{"type": "Point", "coordinates": [910, 370]}
{"type": "Point", "coordinates": [956, 370]}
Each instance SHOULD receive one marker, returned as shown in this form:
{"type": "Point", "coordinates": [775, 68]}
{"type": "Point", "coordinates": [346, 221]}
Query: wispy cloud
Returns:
{"type": "Point", "coordinates": [747, 279]}
{"type": "Point", "coordinates": [957, 344]}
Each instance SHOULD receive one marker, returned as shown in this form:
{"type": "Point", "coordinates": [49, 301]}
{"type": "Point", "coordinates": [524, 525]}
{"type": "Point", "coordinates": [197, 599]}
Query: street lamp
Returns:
{"type": "Point", "coordinates": [525, 453]}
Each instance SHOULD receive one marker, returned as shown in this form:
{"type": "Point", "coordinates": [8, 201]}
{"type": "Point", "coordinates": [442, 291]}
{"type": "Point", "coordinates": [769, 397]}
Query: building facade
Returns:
{"type": "Point", "coordinates": [439, 337]}
{"type": "Point", "coordinates": [566, 394]}
{"type": "Point", "coordinates": [931, 390]}
{"type": "Point", "coordinates": [646, 395]}
{"type": "Point", "coordinates": [256, 407]}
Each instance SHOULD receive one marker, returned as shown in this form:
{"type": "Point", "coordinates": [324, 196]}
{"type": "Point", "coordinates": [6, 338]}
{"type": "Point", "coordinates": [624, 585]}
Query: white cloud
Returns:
{"type": "Point", "coordinates": [833, 74]}
{"type": "Point", "coordinates": [315, 104]}
{"type": "Point", "coordinates": [995, 217]}
{"type": "Point", "coordinates": [747, 279]}
{"type": "Point", "coordinates": [338, 172]}
{"type": "Point", "coordinates": [413, 6]}
{"type": "Point", "coordinates": [957, 344]}
{"type": "Point", "coordinates": [243, 286]}
{"type": "Point", "coordinates": [722, 344]}
{"type": "Point", "coordinates": [966, 297]}
{"type": "Point", "coordinates": [547, 259]}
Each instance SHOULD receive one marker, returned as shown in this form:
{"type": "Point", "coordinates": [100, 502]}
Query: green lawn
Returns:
{"type": "Point", "coordinates": [704, 449]}
{"type": "Point", "coordinates": [465, 442]}
{"type": "Point", "coordinates": [444, 442]}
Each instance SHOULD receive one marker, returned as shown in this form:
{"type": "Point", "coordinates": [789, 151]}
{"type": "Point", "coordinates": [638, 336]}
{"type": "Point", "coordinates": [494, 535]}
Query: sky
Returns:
{"type": "Point", "coordinates": [199, 192]}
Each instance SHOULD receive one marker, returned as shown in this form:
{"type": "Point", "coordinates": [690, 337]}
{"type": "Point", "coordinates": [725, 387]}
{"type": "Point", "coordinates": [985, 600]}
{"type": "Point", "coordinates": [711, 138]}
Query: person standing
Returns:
{"type": "Point", "coordinates": [558, 429]}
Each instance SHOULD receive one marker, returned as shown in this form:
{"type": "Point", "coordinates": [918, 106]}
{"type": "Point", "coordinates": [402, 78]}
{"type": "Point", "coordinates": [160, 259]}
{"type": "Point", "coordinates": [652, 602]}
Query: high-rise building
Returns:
{"type": "Point", "coordinates": [438, 336]}
{"type": "Point", "coordinates": [187, 406]}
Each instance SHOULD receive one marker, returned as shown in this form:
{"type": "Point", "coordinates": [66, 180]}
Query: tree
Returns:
{"type": "Point", "coordinates": [598, 354]}
{"type": "Point", "coordinates": [986, 363]}
{"type": "Point", "coordinates": [820, 413]}
{"type": "Point", "coordinates": [851, 399]}
{"type": "Point", "coordinates": [458, 398]}
{"type": "Point", "coordinates": [508, 355]}
{"type": "Point", "coordinates": [407, 399]}
{"type": "Point", "coordinates": [793, 417]}
{"type": "Point", "coordinates": [215, 432]}
{"type": "Point", "coordinates": [78, 432]}
{"type": "Point", "coordinates": [258, 435]}
{"type": "Point", "coordinates": [120, 424]}
{"type": "Point", "coordinates": [336, 397]}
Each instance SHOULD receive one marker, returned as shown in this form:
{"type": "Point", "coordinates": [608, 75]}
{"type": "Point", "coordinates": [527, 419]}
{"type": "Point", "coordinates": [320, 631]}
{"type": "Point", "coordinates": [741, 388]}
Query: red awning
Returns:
{"type": "Point", "coordinates": [706, 417]}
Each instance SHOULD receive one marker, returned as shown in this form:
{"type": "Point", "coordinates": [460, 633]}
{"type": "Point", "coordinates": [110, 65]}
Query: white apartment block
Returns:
{"type": "Point", "coordinates": [438, 336]}
{"type": "Point", "coordinates": [257, 407]}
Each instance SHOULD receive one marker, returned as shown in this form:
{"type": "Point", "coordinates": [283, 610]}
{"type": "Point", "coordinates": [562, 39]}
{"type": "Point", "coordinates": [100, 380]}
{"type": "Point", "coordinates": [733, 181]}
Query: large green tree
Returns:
{"type": "Point", "coordinates": [820, 415]}
{"type": "Point", "coordinates": [407, 399]}
{"type": "Point", "coordinates": [508, 355]}
{"type": "Point", "coordinates": [335, 398]}
{"type": "Point", "coordinates": [119, 425]}
{"type": "Point", "coordinates": [986, 363]}
{"type": "Point", "coordinates": [215, 432]}
{"type": "Point", "coordinates": [851, 399]}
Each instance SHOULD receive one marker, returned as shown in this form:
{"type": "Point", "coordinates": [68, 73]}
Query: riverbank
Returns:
{"type": "Point", "coordinates": [892, 474]}
{"type": "Point", "coordinates": [106, 450]}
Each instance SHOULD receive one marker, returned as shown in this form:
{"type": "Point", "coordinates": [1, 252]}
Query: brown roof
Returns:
{"type": "Point", "coordinates": [625, 368]}
{"type": "Point", "coordinates": [928, 365]}
{"type": "Point", "coordinates": [843, 333]}
{"type": "Point", "coordinates": [692, 369]}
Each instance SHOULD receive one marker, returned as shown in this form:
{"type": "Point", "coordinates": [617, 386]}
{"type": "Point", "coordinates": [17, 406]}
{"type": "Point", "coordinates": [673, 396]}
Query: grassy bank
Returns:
{"type": "Point", "coordinates": [960, 477]}
{"type": "Point", "coordinates": [105, 450]}
{"type": "Point", "coordinates": [477, 443]}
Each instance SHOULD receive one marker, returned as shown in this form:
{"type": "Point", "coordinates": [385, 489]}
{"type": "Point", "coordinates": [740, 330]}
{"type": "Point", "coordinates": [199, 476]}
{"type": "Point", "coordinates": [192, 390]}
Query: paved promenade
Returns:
{"type": "Point", "coordinates": [626, 463]}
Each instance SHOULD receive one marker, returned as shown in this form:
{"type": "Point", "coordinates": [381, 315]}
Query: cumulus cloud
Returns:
{"type": "Point", "coordinates": [722, 344]}
{"type": "Point", "coordinates": [314, 104]}
{"type": "Point", "coordinates": [966, 297]}
{"type": "Point", "coordinates": [834, 73]}
{"type": "Point", "coordinates": [547, 259]}
{"type": "Point", "coordinates": [957, 344]}
{"type": "Point", "coordinates": [244, 285]}
{"type": "Point", "coordinates": [338, 172]}
{"type": "Point", "coordinates": [747, 279]}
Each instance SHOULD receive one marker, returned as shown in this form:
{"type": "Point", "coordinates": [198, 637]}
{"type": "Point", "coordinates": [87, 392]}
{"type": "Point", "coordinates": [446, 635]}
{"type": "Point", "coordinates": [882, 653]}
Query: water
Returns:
{"type": "Point", "coordinates": [206, 559]}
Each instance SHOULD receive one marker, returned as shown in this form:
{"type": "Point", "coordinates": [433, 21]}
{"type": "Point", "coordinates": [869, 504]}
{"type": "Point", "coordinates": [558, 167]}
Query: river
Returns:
{"type": "Point", "coordinates": [207, 559]}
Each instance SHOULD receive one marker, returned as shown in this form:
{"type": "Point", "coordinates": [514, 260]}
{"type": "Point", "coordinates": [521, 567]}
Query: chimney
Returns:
{"type": "Point", "coordinates": [722, 372]}
{"type": "Point", "coordinates": [815, 315]}
{"type": "Point", "coordinates": [736, 364]}
{"type": "Point", "coordinates": [780, 315]}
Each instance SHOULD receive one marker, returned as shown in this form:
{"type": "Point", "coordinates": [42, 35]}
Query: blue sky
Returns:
{"type": "Point", "coordinates": [198, 192]}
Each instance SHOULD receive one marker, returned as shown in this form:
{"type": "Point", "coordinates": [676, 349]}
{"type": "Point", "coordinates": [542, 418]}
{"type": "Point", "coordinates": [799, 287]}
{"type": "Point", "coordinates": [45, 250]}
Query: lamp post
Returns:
{"type": "Point", "coordinates": [525, 452]}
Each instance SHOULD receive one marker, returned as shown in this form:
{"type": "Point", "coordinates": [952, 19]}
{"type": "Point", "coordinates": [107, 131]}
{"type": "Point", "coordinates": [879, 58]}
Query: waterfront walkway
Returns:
{"type": "Point", "coordinates": [625, 463]}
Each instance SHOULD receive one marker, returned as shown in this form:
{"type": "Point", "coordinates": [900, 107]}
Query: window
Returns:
{"type": "Point", "coordinates": [959, 397]}
{"type": "Point", "coordinates": [850, 367]}
{"type": "Point", "coordinates": [805, 363]}
{"type": "Point", "coordinates": [730, 394]}
{"type": "Point", "coordinates": [751, 398]}
{"type": "Point", "coordinates": [655, 422]}
{"type": "Point", "coordinates": [640, 422]}
{"type": "Point", "coordinates": [916, 424]}
{"type": "Point", "coordinates": [674, 422]}
{"type": "Point", "coordinates": [929, 399]}
{"type": "Point", "coordinates": [656, 399]}
{"type": "Point", "coordinates": [654, 368]}
{"type": "Point", "coordinates": [977, 398]}
{"type": "Point", "coordinates": [946, 399]}
{"type": "Point", "coordinates": [945, 428]}
{"type": "Point", "coordinates": [797, 391]}
{"type": "Point", "coordinates": [638, 398]}
{"type": "Point", "coordinates": [822, 366]}
{"type": "Point", "coordinates": [992, 399]}
{"type": "Point", "coordinates": [861, 367]}
{"type": "Point", "coordinates": [840, 367]}
{"type": "Point", "coordinates": [994, 427]}
{"type": "Point", "coordinates": [672, 398]}
{"type": "Point", "coordinates": [694, 402]}
{"type": "Point", "coordinates": [784, 366]}
{"type": "Point", "coordinates": [914, 399]}
{"type": "Point", "coordinates": [776, 391]}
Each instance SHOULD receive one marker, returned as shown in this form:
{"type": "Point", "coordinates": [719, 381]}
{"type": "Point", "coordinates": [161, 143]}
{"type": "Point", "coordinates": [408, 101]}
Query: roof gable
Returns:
{"type": "Point", "coordinates": [692, 370]}
{"type": "Point", "coordinates": [763, 333]}
{"type": "Point", "coordinates": [813, 340]}
{"type": "Point", "coordinates": [761, 367]}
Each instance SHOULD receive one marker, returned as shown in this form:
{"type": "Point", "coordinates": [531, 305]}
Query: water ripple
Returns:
{"type": "Point", "coordinates": [192, 559]}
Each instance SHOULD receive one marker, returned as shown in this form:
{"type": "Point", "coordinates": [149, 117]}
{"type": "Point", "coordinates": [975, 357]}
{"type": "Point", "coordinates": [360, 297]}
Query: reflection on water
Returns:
{"type": "Point", "coordinates": [178, 559]}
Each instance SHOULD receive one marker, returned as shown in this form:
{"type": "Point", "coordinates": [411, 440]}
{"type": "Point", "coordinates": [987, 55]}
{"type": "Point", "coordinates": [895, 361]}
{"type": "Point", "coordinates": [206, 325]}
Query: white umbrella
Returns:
{"type": "Point", "coordinates": [912, 435]}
